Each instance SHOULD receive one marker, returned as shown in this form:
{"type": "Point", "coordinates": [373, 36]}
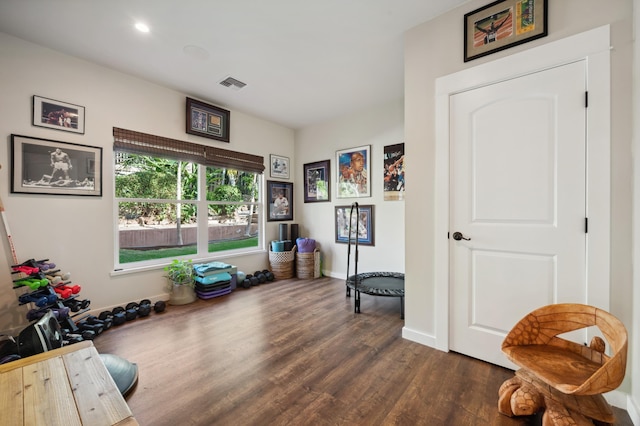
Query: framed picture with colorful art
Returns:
{"type": "Point", "coordinates": [58, 115]}
{"type": "Point", "coordinates": [393, 174]}
{"type": "Point", "coordinates": [353, 180]}
{"type": "Point", "coordinates": [352, 218]}
{"type": "Point", "coordinates": [503, 24]}
{"type": "Point", "coordinates": [207, 120]}
{"type": "Point", "coordinates": [317, 181]}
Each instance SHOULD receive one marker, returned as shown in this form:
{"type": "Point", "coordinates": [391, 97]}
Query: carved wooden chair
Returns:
{"type": "Point", "coordinates": [564, 378]}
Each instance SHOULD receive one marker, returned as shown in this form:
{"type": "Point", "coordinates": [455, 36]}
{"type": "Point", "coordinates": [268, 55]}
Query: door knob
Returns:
{"type": "Point", "coordinates": [458, 236]}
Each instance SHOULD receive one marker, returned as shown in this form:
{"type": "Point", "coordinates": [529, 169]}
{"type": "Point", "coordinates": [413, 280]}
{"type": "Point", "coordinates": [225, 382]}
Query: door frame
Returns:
{"type": "Point", "coordinates": [593, 47]}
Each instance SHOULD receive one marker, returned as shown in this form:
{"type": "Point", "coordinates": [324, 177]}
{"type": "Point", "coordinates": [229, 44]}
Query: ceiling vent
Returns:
{"type": "Point", "coordinates": [233, 83]}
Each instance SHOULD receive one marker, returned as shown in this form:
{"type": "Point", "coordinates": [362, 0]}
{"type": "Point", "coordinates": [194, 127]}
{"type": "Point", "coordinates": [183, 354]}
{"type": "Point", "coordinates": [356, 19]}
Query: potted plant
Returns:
{"type": "Point", "coordinates": [181, 285]}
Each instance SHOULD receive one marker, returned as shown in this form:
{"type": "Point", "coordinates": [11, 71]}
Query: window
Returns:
{"type": "Point", "coordinates": [178, 199]}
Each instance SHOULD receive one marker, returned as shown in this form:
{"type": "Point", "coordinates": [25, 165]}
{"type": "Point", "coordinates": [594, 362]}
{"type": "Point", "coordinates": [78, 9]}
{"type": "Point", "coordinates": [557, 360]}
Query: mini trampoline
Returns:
{"type": "Point", "coordinates": [388, 284]}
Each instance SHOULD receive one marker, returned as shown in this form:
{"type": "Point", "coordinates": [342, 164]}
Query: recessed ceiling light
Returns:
{"type": "Point", "coordinates": [143, 28]}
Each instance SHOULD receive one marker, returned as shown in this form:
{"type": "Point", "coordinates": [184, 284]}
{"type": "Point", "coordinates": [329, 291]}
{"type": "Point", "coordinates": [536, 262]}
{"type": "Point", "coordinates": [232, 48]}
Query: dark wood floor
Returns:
{"type": "Point", "coordinates": [292, 352]}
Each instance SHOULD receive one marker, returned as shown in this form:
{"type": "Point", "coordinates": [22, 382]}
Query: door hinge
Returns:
{"type": "Point", "coordinates": [586, 99]}
{"type": "Point", "coordinates": [586, 225]}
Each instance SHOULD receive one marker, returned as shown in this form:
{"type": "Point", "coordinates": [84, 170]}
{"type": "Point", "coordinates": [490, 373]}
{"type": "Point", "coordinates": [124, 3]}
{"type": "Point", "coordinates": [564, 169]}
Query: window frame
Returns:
{"type": "Point", "coordinates": [139, 143]}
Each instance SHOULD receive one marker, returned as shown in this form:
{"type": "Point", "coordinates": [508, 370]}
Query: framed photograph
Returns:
{"type": "Point", "coordinates": [317, 181]}
{"type": "Point", "coordinates": [393, 180]}
{"type": "Point", "coordinates": [364, 225]}
{"type": "Point", "coordinates": [280, 196]}
{"type": "Point", "coordinates": [58, 115]}
{"type": "Point", "coordinates": [207, 120]}
{"type": "Point", "coordinates": [353, 172]}
{"type": "Point", "coordinates": [43, 166]}
{"type": "Point", "coordinates": [279, 166]}
{"type": "Point", "coordinates": [503, 24]}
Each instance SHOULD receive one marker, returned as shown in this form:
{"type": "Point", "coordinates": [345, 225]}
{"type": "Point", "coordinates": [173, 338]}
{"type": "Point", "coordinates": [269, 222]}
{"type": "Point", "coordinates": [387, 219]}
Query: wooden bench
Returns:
{"type": "Point", "coordinates": [565, 378]}
{"type": "Point", "coordinates": [66, 386]}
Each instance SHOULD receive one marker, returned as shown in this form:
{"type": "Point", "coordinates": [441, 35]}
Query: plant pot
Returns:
{"type": "Point", "coordinates": [182, 294]}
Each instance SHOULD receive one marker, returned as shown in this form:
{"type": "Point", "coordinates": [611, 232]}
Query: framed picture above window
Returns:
{"type": "Point", "coordinates": [280, 198]}
{"type": "Point", "coordinates": [503, 24]}
{"type": "Point", "coordinates": [58, 115]}
{"type": "Point", "coordinates": [207, 120]}
{"type": "Point", "coordinates": [364, 225]}
{"type": "Point", "coordinates": [317, 181]}
{"type": "Point", "coordinates": [353, 172]}
{"type": "Point", "coordinates": [43, 166]}
{"type": "Point", "coordinates": [279, 166]}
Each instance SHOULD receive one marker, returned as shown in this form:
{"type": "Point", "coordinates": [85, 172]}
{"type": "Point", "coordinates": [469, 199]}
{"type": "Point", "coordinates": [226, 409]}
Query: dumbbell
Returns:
{"type": "Point", "coordinates": [267, 273]}
{"type": "Point", "coordinates": [76, 305]}
{"type": "Point", "coordinates": [83, 325]}
{"type": "Point", "coordinates": [253, 280]}
{"type": "Point", "coordinates": [45, 266]}
{"type": "Point", "coordinates": [159, 306]}
{"type": "Point", "coordinates": [75, 289]}
{"type": "Point", "coordinates": [242, 280]}
{"type": "Point", "coordinates": [73, 338]}
{"type": "Point", "coordinates": [64, 293]}
{"type": "Point", "coordinates": [65, 276]}
{"type": "Point", "coordinates": [59, 313]}
{"type": "Point", "coordinates": [260, 276]}
{"type": "Point", "coordinates": [53, 280]}
{"type": "Point", "coordinates": [40, 298]}
{"type": "Point", "coordinates": [70, 337]}
{"type": "Point", "coordinates": [131, 311]}
{"type": "Point", "coordinates": [26, 269]}
{"type": "Point", "coordinates": [105, 323]}
{"type": "Point", "coordinates": [144, 308]}
{"type": "Point", "coordinates": [118, 315]}
{"type": "Point", "coordinates": [32, 283]}
{"type": "Point", "coordinates": [84, 335]}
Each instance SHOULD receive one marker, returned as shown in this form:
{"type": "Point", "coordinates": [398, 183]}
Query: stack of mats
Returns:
{"type": "Point", "coordinates": [215, 279]}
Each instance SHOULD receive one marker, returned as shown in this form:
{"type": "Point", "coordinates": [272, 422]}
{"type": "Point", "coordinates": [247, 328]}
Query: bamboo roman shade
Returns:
{"type": "Point", "coordinates": [158, 146]}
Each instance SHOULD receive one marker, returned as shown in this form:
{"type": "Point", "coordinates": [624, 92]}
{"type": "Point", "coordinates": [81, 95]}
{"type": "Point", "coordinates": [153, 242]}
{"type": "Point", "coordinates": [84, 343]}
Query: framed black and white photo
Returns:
{"type": "Point", "coordinates": [361, 220]}
{"type": "Point", "coordinates": [317, 181]}
{"type": "Point", "coordinates": [58, 115]}
{"type": "Point", "coordinates": [279, 166]}
{"type": "Point", "coordinates": [207, 120]}
{"type": "Point", "coordinates": [44, 166]}
{"type": "Point", "coordinates": [280, 198]}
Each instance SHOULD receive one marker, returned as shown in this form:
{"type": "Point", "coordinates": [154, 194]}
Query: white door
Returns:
{"type": "Point", "coordinates": [518, 194]}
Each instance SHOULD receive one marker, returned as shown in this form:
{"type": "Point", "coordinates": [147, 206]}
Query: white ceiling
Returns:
{"type": "Point", "coordinates": [304, 61]}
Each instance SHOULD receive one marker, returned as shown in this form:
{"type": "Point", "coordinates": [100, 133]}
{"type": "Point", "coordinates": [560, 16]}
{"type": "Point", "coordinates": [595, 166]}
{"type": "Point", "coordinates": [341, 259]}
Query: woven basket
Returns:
{"type": "Point", "coordinates": [306, 264]}
{"type": "Point", "coordinates": [282, 263]}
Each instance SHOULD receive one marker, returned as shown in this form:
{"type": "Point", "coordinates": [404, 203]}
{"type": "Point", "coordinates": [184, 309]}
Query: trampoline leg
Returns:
{"type": "Point", "coordinates": [402, 308]}
{"type": "Point", "coordinates": [356, 306]}
{"type": "Point", "coordinates": [348, 292]}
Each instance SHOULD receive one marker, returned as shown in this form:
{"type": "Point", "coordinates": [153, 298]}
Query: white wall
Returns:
{"type": "Point", "coordinates": [634, 347]}
{"type": "Point", "coordinates": [379, 126]}
{"type": "Point", "coordinates": [77, 232]}
{"type": "Point", "coordinates": [430, 54]}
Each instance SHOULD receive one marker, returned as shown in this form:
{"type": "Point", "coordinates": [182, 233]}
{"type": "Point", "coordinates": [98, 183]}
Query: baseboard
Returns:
{"type": "Point", "coordinates": [419, 337]}
{"type": "Point", "coordinates": [617, 399]}
{"type": "Point", "coordinates": [633, 410]}
{"type": "Point", "coordinates": [333, 274]}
